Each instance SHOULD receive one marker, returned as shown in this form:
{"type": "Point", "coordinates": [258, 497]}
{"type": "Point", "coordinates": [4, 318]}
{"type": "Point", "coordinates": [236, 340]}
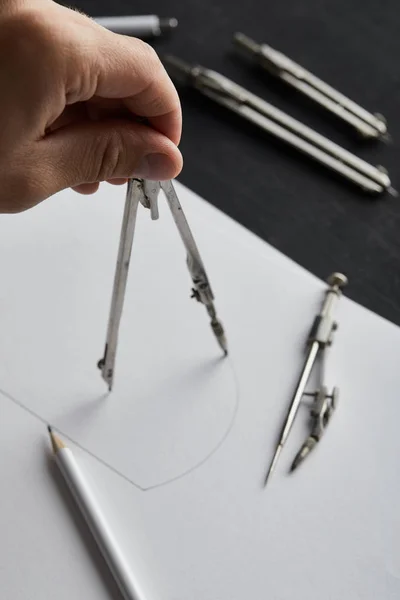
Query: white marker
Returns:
{"type": "Point", "coordinates": [143, 26]}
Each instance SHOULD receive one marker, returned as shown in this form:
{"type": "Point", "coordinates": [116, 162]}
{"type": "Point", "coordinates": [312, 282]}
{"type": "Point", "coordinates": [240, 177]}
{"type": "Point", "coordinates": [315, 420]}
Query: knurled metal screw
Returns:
{"type": "Point", "coordinates": [337, 280]}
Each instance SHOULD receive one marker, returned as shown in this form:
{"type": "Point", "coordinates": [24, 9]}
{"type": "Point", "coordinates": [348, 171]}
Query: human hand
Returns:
{"type": "Point", "coordinates": [71, 92]}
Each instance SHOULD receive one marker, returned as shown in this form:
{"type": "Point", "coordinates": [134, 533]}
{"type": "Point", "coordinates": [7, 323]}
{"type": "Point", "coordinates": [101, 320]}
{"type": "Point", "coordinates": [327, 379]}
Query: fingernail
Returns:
{"type": "Point", "coordinates": [155, 166]}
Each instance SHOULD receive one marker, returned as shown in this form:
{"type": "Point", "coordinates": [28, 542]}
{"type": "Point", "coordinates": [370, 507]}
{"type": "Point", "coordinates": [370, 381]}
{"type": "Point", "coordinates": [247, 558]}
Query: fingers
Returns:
{"type": "Point", "coordinates": [83, 154]}
{"type": "Point", "coordinates": [86, 188]}
{"type": "Point", "coordinates": [91, 188]}
{"type": "Point", "coordinates": [130, 69]}
{"type": "Point", "coordinates": [117, 181]}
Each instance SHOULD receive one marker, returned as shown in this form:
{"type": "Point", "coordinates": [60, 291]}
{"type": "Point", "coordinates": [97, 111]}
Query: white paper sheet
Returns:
{"type": "Point", "coordinates": [330, 531]}
{"type": "Point", "coordinates": [174, 399]}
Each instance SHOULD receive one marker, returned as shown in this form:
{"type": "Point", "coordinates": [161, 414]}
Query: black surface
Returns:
{"type": "Point", "coordinates": [299, 207]}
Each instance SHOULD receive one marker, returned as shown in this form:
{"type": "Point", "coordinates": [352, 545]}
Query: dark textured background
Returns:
{"type": "Point", "coordinates": [294, 204]}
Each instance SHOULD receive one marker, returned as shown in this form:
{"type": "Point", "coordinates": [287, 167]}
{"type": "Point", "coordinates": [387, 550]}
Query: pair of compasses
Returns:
{"type": "Point", "coordinates": [272, 120]}
{"type": "Point", "coordinates": [324, 404]}
{"type": "Point", "coordinates": [146, 192]}
{"type": "Point", "coordinates": [368, 125]}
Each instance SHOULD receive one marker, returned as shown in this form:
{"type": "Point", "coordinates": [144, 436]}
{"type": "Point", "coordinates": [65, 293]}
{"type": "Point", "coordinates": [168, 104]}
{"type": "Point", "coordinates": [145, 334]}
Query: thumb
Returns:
{"type": "Point", "coordinates": [97, 151]}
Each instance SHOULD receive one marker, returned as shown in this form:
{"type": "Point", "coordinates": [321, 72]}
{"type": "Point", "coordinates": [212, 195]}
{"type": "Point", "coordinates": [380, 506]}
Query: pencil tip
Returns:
{"type": "Point", "coordinates": [56, 443]}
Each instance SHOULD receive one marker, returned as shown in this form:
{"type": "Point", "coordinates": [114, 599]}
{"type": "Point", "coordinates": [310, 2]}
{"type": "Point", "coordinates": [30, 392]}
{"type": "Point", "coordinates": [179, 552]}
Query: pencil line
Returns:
{"type": "Point", "coordinates": [220, 443]}
{"type": "Point", "coordinates": [23, 407]}
{"type": "Point", "coordinates": [39, 417]}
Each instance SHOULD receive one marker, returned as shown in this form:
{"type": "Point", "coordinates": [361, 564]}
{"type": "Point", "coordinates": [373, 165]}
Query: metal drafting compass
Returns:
{"type": "Point", "coordinates": [319, 339]}
{"type": "Point", "coordinates": [146, 192]}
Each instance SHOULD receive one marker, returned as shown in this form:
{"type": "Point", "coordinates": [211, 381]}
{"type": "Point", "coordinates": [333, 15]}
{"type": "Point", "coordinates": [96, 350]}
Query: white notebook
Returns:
{"type": "Point", "coordinates": [179, 450]}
